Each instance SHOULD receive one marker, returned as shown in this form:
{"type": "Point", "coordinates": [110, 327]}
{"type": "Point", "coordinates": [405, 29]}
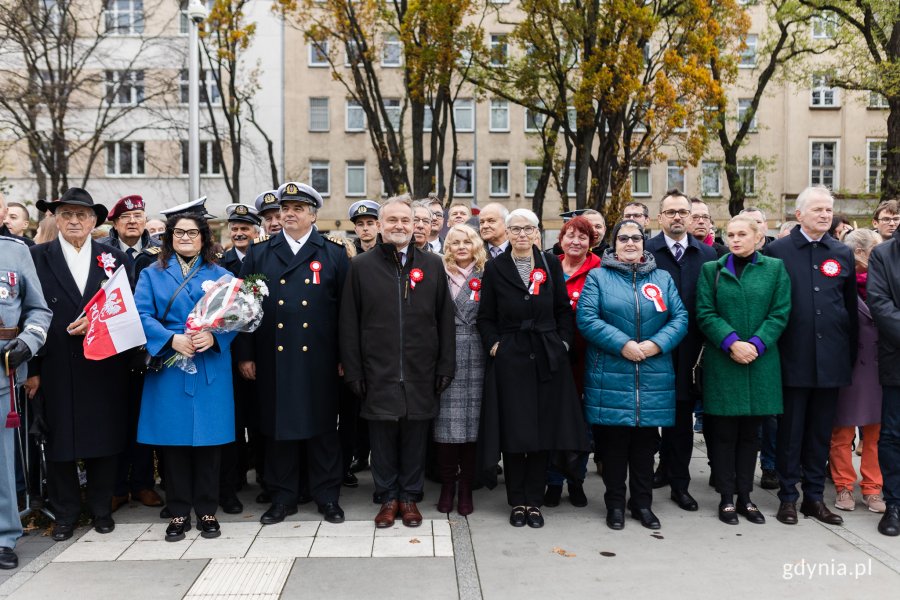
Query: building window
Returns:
{"type": "Point", "coordinates": [53, 13]}
{"type": "Point", "coordinates": [184, 23]}
{"type": "Point", "coordinates": [877, 100]}
{"type": "Point", "coordinates": [391, 51]}
{"type": "Point", "coordinates": [125, 88]}
{"type": "Point", "coordinates": [210, 159]}
{"type": "Point", "coordinates": [570, 180]}
{"type": "Point", "coordinates": [318, 114]}
{"type": "Point", "coordinates": [711, 178]}
{"type": "Point", "coordinates": [499, 50]}
{"type": "Point", "coordinates": [875, 165]}
{"type": "Point", "coordinates": [743, 108]}
{"type": "Point", "coordinates": [209, 89]}
{"type": "Point", "coordinates": [356, 178]}
{"type": "Point", "coordinates": [824, 27]}
{"type": "Point", "coordinates": [675, 175]}
{"type": "Point", "coordinates": [823, 93]}
{"type": "Point", "coordinates": [464, 114]}
{"type": "Point", "coordinates": [532, 176]}
{"type": "Point", "coordinates": [572, 118]}
{"type": "Point", "coordinates": [500, 178]}
{"type": "Point", "coordinates": [823, 163]}
{"type": "Point", "coordinates": [640, 181]}
{"type": "Point", "coordinates": [320, 176]}
{"type": "Point", "coordinates": [392, 108]}
{"type": "Point", "coordinates": [747, 174]}
{"type": "Point", "coordinates": [124, 17]}
{"type": "Point", "coordinates": [318, 54]}
{"type": "Point", "coordinates": [125, 158]}
{"type": "Point", "coordinates": [427, 119]}
{"type": "Point", "coordinates": [534, 121]}
{"type": "Point", "coordinates": [356, 118]}
{"type": "Point", "coordinates": [499, 115]}
{"type": "Point", "coordinates": [748, 54]}
{"type": "Point", "coordinates": [353, 56]}
{"type": "Point", "coordinates": [464, 178]}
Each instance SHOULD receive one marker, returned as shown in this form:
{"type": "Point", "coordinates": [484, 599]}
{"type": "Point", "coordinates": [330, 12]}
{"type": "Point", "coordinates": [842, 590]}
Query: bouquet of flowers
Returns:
{"type": "Point", "coordinates": [229, 305]}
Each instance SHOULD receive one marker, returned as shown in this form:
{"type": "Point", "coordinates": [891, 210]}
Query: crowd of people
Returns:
{"type": "Point", "coordinates": [457, 350]}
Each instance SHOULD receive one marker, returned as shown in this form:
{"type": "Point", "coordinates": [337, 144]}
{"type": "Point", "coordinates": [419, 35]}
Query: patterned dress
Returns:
{"type": "Point", "coordinates": [457, 422]}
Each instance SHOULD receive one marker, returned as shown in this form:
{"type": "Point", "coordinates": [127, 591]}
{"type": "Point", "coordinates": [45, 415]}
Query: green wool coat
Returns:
{"type": "Point", "coordinates": [757, 304]}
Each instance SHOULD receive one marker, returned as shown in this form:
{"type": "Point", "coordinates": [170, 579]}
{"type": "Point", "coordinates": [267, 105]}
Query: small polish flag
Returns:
{"type": "Point", "coordinates": [114, 322]}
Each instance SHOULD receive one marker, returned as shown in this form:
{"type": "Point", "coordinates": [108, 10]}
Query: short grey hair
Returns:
{"type": "Point", "coordinates": [525, 214]}
{"type": "Point", "coordinates": [504, 212]}
{"type": "Point", "coordinates": [807, 194]}
{"type": "Point", "coordinates": [862, 239]}
{"type": "Point", "coordinates": [401, 199]}
{"type": "Point", "coordinates": [751, 209]}
{"type": "Point", "coordinates": [787, 225]}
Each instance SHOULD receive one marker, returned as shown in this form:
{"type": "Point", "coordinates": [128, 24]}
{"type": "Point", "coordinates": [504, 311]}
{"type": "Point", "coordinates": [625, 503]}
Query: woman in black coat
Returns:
{"type": "Point", "coordinates": [530, 405]}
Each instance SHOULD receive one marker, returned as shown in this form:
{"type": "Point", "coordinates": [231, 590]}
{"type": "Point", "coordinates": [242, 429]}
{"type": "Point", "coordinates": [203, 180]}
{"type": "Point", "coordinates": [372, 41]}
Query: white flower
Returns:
{"type": "Point", "coordinates": [208, 285]}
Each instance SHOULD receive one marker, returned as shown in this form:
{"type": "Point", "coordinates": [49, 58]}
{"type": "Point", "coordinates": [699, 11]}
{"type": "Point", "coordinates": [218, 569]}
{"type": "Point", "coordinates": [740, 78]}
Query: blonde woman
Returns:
{"type": "Point", "coordinates": [456, 426]}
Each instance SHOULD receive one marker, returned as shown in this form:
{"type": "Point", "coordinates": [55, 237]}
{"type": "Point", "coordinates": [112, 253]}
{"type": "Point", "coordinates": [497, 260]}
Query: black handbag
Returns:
{"type": "Point", "coordinates": [155, 364]}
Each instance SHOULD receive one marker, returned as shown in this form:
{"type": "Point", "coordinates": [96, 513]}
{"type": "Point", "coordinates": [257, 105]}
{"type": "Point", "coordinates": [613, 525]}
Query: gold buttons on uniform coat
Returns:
{"type": "Point", "coordinates": [280, 302]}
{"type": "Point", "coordinates": [305, 325]}
{"type": "Point", "coordinates": [305, 348]}
{"type": "Point", "coordinates": [283, 282]}
{"type": "Point", "coordinates": [306, 281]}
{"type": "Point", "coordinates": [280, 348]}
{"type": "Point", "coordinates": [303, 303]}
{"type": "Point", "coordinates": [281, 326]}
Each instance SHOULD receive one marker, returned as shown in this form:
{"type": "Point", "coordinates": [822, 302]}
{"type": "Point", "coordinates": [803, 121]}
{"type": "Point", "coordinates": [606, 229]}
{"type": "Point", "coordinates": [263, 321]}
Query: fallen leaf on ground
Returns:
{"type": "Point", "coordinates": [415, 541]}
{"type": "Point", "coordinates": [562, 552]}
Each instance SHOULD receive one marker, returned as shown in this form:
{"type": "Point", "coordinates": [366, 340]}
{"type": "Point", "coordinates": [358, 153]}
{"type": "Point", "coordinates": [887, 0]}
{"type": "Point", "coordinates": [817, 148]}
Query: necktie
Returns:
{"type": "Point", "coordinates": [678, 251]}
{"type": "Point", "coordinates": [403, 259]}
{"type": "Point", "coordinates": [131, 252]}
{"type": "Point", "coordinates": [495, 251]}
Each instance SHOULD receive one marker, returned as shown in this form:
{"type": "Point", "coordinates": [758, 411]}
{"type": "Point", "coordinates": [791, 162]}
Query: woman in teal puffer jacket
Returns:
{"type": "Point", "coordinates": [632, 318]}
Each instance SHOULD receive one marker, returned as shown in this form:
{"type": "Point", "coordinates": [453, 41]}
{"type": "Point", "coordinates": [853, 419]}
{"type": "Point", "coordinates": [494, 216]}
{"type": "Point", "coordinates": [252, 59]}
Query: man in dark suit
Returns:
{"type": "Point", "coordinates": [700, 226]}
{"type": "Point", "coordinates": [492, 227]}
{"type": "Point", "coordinates": [129, 228]}
{"type": "Point", "coordinates": [680, 255]}
{"type": "Point", "coordinates": [817, 352]}
{"type": "Point", "coordinates": [293, 356]}
{"type": "Point", "coordinates": [435, 241]}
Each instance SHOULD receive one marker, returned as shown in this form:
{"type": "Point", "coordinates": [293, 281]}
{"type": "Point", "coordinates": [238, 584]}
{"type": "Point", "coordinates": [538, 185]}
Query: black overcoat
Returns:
{"type": "Point", "coordinates": [685, 273]}
{"type": "Point", "coordinates": [884, 303]}
{"type": "Point", "coordinates": [395, 338]}
{"type": "Point", "coordinates": [232, 262]}
{"type": "Point", "coordinates": [530, 401]}
{"type": "Point", "coordinates": [85, 400]}
{"type": "Point", "coordinates": [296, 346]}
{"type": "Point", "coordinates": [818, 348]}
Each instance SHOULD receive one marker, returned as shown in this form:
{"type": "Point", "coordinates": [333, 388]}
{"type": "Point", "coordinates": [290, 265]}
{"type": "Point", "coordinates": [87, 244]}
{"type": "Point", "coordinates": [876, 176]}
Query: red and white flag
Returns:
{"type": "Point", "coordinates": [114, 324]}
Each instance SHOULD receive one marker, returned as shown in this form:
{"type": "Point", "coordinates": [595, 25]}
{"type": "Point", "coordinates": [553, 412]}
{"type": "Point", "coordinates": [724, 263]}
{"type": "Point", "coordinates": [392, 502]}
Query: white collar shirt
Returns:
{"type": "Point", "coordinates": [78, 261]}
{"type": "Point", "coordinates": [295, 245]}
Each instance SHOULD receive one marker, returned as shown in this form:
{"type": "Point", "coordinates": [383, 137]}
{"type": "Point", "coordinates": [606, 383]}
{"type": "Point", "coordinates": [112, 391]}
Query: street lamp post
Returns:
{"type": "Point", "coordinates": [196, 14]}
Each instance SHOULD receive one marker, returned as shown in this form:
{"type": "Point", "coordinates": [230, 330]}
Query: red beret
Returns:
{"type": "Point", "coordinates": [133, 202]}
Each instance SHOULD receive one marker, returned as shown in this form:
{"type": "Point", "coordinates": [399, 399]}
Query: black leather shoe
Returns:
{"type": "Point", "coordinates": [231, 505]}
{"type": "Point", "coordinates": [177, 527]}
{"type": "Point", "coordinates": [277, 513]}
{"type": "Point", "coordinates": [533, 517]}
{"type": "Point", "coordinates": [263, 498]}
{"type": "Point", "coordinates": [646, 517]}
{"type": "Point", "coordinates": [62, 532]}
{"type": "Point", "coordinates": [615, 518]}
{"type": "Point", "coordinates": [787, 513]}
{"type": "Point", "coordinates": [751, 513]}
{"type": "Point", "coordinates": [819, 511]}
{"type": "Point", "coordinates": [350, 480]}
{"type": "Point", "coordinates": [165, 513]}
{"type": "Point", "coordinates": [769, 480]}
{"type": "Point", "coordinates": [333, 512]}
{"type": "Point", "coordinates": [517, 516]}
{"type": "Point", "coordinates": [552, 495]}
{"type": "Point", "coordinates": [8, 558]}
{"type": "Point", "coordinates": [888, 525]}
{"type": "Point", "coordinates": [576, 495]}
{"type": "Point", "coordinates": [359, 464]}
{"type": "Point", "coordinates": [209, 527]}
{"type": "Point", "coordinates": [660, 479]}
{"type": "Point", "coordinates": [728, 514]}
{"type": "Point", "coordinates": [684, 500]}
{"type": "Point", "coordinates": [104, 525]}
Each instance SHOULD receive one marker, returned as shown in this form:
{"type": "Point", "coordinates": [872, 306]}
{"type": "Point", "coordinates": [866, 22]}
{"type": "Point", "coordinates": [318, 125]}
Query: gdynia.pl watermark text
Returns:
{"type": "Point", "coordinates": [804, 569]}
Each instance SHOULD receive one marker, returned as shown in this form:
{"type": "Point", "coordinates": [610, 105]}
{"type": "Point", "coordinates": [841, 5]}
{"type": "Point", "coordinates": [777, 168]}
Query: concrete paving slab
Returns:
{"type": "Point", "coordinates": [155, 550]}
{"type": "Point", "coordinates": [281, 547]}
{"type": "Point", "coordinates": [93, 551]}
{"type": "Point", "coordinates": [124, 532]}
{"type": "Point", "coordinates": [347, 529]}
{"type": "Point", "coordinates": [342, 547]}
{"type": "Point", "coordinates": [339, 578]}
{"type": "Point", "coordinates": [289, 530]}
{"type": "Point", "coordinates": [403, 546]}
{"type": "Point", "coordinates": [401, 530]}
{"type": "Point", "coordinates": [157, 531]}
{"type": "Point", "coordinates": [443, 545]}
{"type": "Point", "coordinates": [221, 547]}
{"type": "Point", "coordinates": [238, 577]}
{"type": "Point", "coordinates": [441, 526]}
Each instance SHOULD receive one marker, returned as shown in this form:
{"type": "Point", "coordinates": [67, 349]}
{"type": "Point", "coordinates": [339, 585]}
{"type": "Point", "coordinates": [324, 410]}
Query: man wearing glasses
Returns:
{"type": "Point", "coordinates": [435, 241]}
{"type": "Point", "coordinates": [682, 256]}
{"type": "Point", "coordinates": [639, 213]}
{"type": "Point", "coordinates": [701, 227]}
{"type": "Point", "coordinates": [887, 218]}
{"type": "Point", "coordinates": [129, 230]}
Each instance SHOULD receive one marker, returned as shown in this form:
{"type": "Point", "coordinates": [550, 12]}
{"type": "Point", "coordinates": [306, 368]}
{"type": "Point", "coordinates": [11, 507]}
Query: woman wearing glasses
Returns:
{"type": "Point", "coordinates": [632, 318]}
{"type": "Point", "coordinates": [530, 404]}
{"type": "Point", "coordinates": [189, 415]}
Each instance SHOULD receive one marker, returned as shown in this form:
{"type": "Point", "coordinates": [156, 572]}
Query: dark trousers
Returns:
{"type": "Point", "coordinates": [348, 426]}
{"type": "Point", "coordinates": [889, 444]}
{"type": "Point", "coordinates": [233, 471]}
{"type": "Point", "coordinates": [804, 441]}
{"type": "Point", "coordinates": [627, 452]}
{"type": "Point", "coordinates": [525, 475]}
{"type": "Point", "coordinates": [733, 443]}
{"type": "Point", "coordinates": [134, 472]}
{"type": "Point", "coordinates": [284, 468]}
{"type": "Point", "coordinates": [65, 490]}
{"type": "Point", "coordinates": [456, 462]}
{"type": "Point", "coordinates": [192, 479]}
{"type": "Point", "coordinates": [677, 445]}
{"type": "Point", "coordinates": [769, 431]}
{"type": "Point", "coordinates": [398, 458]}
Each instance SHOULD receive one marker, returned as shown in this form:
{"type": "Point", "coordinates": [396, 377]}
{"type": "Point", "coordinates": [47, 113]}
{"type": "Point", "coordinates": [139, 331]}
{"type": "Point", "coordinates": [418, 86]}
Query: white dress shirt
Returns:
{"type": "Point", "coordinates": [502, 247]}
{"type": "Point", "coordinates": [435, 245]}
{"type": "Point", "coordinates": [241, 255]}
{"type": "Point", "coordinates": [809, 239]}
{"type": "Point", "coordinates": [125, 247]}
{"type": "Point", "coordinates": [671, 243]}
{"type": "Point", "coordinates": [296, 244]}
{"type": "Point", "coordinates": [78, 261]}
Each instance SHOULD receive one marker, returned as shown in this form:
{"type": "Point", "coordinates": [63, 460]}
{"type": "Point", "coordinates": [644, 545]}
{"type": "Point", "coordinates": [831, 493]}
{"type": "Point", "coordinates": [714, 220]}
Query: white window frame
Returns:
{"type": "Point", "coordinates": [347, 52]}
{"type": "Point", "coordinates": [711, 167]}
{"type": "Point", "coordinates": [571, 184]}
{"type": "Point", "coordinates": [539, 120]}
{"type": "Point", "coordinates": [877, 101]}
{"type": "Point", "coordinates": [748, 56]}
{"type": "Point", "coordinates": [499, 41]}
{"type": "Point", "coordinates": [209, 166]}
{"type": "Point", "coordinates": [532, 168]}
{"type": "Point", "coordinates": [137, 151]}
{"type": "Point", "coordinates": [464, 165]}
{"type": "Point", "coordinates": [824, 26]}
{"type": "Point", "coordinates": [354, 165]}
{"type": "Point", "coordinates": [498, 167]}
{"type": "Point", "coordinates": [324, 48]}
{"type": "Point", "coordinates": [319, 165]}
{"type": "Point", "coordinates": [327, 113]}
{"type": "Point", "coordinates": [352, 104]}
{"type": "Point", "coordinates": [818, 90]}
{"type": "Point", "coordinates": [394, 109]}
{"type": "Point", "coordinates": [428, 119]}
{"type": "Point", "coordinates": [391, 41]}
{"type": "Point", "coordinates": [633, 177]}
{"type": "Point", "coordinates": [115, 85]}
{"type": "Point", "coordinates": [184, 22]}
{"type": "Point", "coordinates": [742, 110]}
{"type": "Point", "coordinates": [208, 87]}
{"type": "Point", "coordinates": [878, 169]}
{"type": "Point", "coordinates": [670, 166]}
{"type": "Point", "coordinates": [111, 15]}
{"type": "Point", "coordinates": [835, 180]}
{"type": "Point", "coordinates": [461, 105]}
{"type": "Point", "coordinates": [743, 169]}
{"type": "Point", "coordinates": [499, 105]}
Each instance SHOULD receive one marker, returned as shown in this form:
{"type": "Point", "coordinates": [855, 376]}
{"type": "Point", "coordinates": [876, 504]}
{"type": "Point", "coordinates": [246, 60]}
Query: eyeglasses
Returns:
{"type": "Point", "coordinates": [132, 218]}
{"type": "Point", "coordinates": [672, 212]}
{"type": "Point", "coordinates": [886, 220]}
{"type": "Point", "coordinates": [190, 234]}
{"type": "Point", "coordinates": [701, 217]}
{"type": "Point", "coordinates": [71, 215]}
{"type": "Point", "coordinates": [527, 230]}
{"type": "Point", "coordinates": [630, 238]}
{"type": "Point", "coordinates": [633, 216]}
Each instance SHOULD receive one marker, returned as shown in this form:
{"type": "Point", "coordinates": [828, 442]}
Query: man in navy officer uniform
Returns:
{"type": "Point", "coordinates": [269, 210]}
{"type": "Point", "coordinates": [364, 215]}
{"type": "Point", "coordinates": [24, 322]}
{"type": "Point", "coordinates": [293, 356]}
{"type": "Point", "coordinates": [817, 352]}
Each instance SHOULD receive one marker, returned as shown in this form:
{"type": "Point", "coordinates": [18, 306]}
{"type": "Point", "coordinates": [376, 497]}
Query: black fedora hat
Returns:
{"type": "Point", "coordinates": [77, 197]}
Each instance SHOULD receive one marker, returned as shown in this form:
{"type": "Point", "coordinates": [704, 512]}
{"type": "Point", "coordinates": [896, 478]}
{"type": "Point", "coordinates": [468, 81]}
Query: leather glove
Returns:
{"type": "Point", "coordinates": [442, 383]}
{"type": "Point", "coordinates": [358, 388]}
{"type": "Point", "coordinates": [18, 353]}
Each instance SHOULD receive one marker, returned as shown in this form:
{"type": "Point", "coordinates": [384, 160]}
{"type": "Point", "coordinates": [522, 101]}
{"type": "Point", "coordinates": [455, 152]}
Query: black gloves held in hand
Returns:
{"type": "Point", "coordinates": [18, 353]}
{"type": "Point", "coordinates": [358, 388]}
{"type": "Point", "coordinates": [441, 383]}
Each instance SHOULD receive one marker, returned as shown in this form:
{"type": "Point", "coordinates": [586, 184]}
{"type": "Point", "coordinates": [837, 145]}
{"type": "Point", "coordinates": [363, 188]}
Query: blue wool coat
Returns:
{"type": "Point", "coordinates": [179, 409]}
{"type": "Point", "coordinates": [613, 310]}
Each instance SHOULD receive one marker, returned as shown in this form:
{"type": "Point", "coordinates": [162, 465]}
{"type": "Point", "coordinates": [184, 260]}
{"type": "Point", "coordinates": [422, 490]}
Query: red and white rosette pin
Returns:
{"type": "Point", "coordinates": [573, 298]}
{"type": "Point", "coordinates": [475, 286]}
{"type": "Point", "coordinates": [538, 276]}
{"type": "Point", "coordinates": [830, 268]}
{"type": "Point", "coordinates": [315, 266]}
{"type": "Point", "coordinates": [415, 276]}
{"type": "Point", "coordinates": [652, 292]}
{"type": "Point", "coordinates": [107, 262]}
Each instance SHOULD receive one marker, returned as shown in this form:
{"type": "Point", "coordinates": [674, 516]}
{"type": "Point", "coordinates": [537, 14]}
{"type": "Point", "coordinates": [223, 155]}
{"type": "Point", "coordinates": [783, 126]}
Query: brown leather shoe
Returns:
{"type": "Point", "coordinates": [787, 513]}
{"type": "Point", "coordinates": [148, 498]}
{"type": "Point", "coordinates": [118, 502]}
{"type": "Point", "coordinates": [387, 514]}
{"type": "Point", "coordinates": [410, 514]}
{"type": "Point", "coordinates": [818, 510]}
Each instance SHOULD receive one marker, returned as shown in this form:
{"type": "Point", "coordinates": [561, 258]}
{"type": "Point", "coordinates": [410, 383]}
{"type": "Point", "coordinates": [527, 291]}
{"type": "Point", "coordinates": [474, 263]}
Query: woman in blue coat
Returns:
{"type": "Point", "coordinates": [632, 318]}
{"type": "Point", "coordinates": [189, 415]}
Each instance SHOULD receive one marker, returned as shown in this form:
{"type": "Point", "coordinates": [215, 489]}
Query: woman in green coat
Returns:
{"type": "Point", "coordinates": [743, 303]}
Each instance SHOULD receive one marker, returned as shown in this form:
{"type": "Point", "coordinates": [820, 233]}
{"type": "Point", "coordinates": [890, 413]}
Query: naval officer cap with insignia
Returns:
{"type": "Point", "coordinates": [363, 208]}
{"type": "Point", "coordinates": [269, 211]}
{"type": "Point", "coordinates": [242, 213]}
{"type": "Point", "coordinates": [299, 192]}
{"type": "Point", "coordinates": [194, 208]}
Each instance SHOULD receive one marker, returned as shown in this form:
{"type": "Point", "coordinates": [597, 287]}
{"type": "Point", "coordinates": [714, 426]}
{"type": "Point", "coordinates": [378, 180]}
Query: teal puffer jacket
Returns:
{"type": "Point", "coordinates": [616, 306]}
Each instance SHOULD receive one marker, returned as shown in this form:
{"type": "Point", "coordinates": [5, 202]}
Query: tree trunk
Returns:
{"type": "Point", "coordinates": [890, 183]}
